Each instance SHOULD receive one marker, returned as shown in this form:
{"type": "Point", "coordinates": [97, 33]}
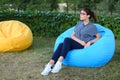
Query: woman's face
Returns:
{"type": "Point", "coordinates": [83, 15]}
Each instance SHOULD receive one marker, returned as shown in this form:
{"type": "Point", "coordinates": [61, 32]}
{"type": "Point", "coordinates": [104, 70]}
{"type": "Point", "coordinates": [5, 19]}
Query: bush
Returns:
{"type": "Point", "coordinates": [50, 24]}
{"type": "Point", "coordinates": [111, 22]}
{"type": "Point", "coordinates": [43, 23]}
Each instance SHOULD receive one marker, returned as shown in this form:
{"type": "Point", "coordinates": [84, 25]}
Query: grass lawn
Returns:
{"type": "Point", "coordinates": [28, 64]}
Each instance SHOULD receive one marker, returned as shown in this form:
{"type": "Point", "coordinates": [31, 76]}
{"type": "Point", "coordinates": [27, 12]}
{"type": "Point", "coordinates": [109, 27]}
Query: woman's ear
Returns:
{"type": "Point", "coordinates": [88, 16]}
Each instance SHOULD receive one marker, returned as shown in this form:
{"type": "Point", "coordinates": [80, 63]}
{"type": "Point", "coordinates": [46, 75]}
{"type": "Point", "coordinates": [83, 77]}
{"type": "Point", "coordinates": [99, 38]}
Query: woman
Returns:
{"type": "Point", "coordinates": [84, 35]}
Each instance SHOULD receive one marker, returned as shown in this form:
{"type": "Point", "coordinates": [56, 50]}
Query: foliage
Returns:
{"type": "Point", "coordinates": [52, 5]}
{"type": "Point", "coordinates": [88, 3]}
{"type": "Point", "coordinates": [42, 23]}
{"type": "Point", "coordinates": [111, 5]}
{"type": "Point", "coordinates": [26, 5]}
{"type": "Point", "coordinates": [50, 24]}
{"type": "Point", "coordinates": [111, 22]}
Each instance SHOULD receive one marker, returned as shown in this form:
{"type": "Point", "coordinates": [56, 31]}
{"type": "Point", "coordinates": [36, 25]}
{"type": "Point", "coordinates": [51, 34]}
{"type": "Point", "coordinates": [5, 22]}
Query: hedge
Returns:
{"type": "Point", "coordinates": [48, 24]}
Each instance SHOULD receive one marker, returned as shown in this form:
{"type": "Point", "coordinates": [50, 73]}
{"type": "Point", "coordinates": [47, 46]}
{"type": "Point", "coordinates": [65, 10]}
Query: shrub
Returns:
{"type": "Point", "coordinates": [111, 22]}
{"type": "Point", "coordinates": [50, 24]}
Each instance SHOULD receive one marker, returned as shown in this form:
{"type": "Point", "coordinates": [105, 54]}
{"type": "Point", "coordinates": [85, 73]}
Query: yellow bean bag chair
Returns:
{"type": "Point", "coordinates": [14, 36]}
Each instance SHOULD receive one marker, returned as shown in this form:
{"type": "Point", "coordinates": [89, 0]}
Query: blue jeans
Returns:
{"type": "Point", "coordinates": [63, 48]}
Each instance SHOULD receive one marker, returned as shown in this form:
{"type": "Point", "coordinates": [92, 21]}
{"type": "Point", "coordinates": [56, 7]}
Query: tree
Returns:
{"type": "Point", "coordinates": [88, 3]}
{"type": "Point", "coordinates": [72, 4]}
{"type": "Point", "coordinates": [36, 5]}
{"type": "Point", "coordinates": [15, 4]}
{"type": "Point", "coordinates": [111, 5]}
{"type": "Point", "coordinates": [78, 4]}
{"type": "Point", "coordinates": [53, 5]}
{"type": "Point", "coordinates": [118, 6]}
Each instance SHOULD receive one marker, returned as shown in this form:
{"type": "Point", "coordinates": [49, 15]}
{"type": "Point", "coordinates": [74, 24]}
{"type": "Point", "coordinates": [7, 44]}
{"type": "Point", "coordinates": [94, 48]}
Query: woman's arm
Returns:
{"type": "Point", "coordinates": [76, 39]}
{"type": "Point", "coordinates": [92, 41]}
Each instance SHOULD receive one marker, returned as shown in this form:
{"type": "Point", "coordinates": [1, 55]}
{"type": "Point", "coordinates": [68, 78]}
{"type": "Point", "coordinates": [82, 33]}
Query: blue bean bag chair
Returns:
{"type": "Point", "coordinates": [95, 55]}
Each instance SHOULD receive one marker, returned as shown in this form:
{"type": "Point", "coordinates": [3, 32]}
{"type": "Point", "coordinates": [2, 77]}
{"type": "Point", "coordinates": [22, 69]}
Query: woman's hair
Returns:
{"type": "Point", "coordinates": [91, 13]}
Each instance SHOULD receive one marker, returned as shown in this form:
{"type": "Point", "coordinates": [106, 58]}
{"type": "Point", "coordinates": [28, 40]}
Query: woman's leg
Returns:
{"type": "Point", "coordinates": [53, 60]}
{"type": "Point", "coordinates": [56, 54]}
{"type": "Point", "coordinates": [68, 45]}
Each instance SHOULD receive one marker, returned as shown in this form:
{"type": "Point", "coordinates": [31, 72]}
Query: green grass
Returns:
{"type": "Point", "coordinates": [28, 64]}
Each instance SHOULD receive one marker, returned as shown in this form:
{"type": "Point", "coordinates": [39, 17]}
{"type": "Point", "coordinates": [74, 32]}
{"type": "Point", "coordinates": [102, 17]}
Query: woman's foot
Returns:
{"type": "Point", "coordinates": [47, 69]}
{"type": "Point", "coordinates": [57, 67]}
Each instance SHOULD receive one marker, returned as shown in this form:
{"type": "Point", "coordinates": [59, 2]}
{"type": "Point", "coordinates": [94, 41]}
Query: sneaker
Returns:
{"type": "Point", "coordinates": [47, 70]}
{"type": "Point", "coordinates": [57, 67]}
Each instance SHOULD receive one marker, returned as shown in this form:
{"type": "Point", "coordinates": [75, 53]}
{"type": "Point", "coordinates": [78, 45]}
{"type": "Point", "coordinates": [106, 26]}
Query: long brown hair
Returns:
{"type": "Point", "coordinates": [91, 13]}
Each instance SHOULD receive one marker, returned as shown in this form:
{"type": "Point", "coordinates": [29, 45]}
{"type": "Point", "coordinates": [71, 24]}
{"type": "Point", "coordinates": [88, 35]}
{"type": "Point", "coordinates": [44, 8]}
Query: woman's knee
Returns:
{"type": "Point", "coordinates": [67, 40]}
{"type": "Point", "coordinates": [61, 44]}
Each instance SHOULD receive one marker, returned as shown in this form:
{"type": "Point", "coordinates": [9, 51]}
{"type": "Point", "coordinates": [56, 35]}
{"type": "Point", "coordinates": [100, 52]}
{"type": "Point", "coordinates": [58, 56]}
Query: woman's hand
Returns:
{"type": "Point", "coordinates": [82, 42]}
{"type": "Point", "coordinates": [78, 40]}
{"type": "Point", "coordinates": [88, 44]}
{"type": "Point", "coordinates": [92, 41]}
